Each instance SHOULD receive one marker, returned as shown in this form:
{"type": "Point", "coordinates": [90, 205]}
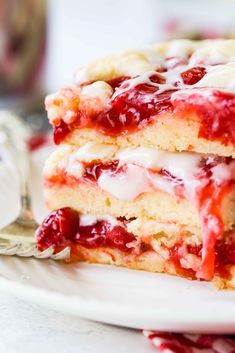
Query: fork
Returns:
{"type": "Point", "coordinates": [18, 237]}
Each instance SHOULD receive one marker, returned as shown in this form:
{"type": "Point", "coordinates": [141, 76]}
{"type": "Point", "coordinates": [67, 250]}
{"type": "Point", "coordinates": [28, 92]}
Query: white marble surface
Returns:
{"type": "Point", "coordinates": [29, 328]}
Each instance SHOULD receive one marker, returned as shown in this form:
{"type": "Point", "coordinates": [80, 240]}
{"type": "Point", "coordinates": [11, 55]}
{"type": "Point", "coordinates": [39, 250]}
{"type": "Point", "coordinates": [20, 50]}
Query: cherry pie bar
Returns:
{"type": "Point", "coordinates": [143, 175]}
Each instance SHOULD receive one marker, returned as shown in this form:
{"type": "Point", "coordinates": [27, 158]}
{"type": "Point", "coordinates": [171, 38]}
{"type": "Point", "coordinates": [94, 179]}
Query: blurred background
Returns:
{"type": "Point", "coordinates": [43, 42]}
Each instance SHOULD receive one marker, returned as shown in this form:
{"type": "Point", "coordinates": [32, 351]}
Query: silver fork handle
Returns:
{"type": "Point", "coordinates": [15, 135]}
{"type": "Point", "coordinates": [23, 165]}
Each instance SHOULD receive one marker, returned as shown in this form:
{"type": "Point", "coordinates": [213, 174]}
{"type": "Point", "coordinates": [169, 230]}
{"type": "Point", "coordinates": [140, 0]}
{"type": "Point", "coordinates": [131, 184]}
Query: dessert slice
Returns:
{"type": "Point", "coordinates": [136, 98]}
{"type": "Point", "coordinates": [166, 211]}
{"type": "Point", "coordinates": [143, 176]}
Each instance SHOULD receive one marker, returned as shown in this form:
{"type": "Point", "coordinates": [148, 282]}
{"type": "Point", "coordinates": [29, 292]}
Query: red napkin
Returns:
{"type": "Point", "coordinates": [186, 343]}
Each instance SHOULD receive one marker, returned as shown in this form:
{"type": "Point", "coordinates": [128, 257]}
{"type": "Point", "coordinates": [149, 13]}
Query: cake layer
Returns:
{"type": "Point", "coordinates": [142, 182]}
{"type": "Point", "coordinates": [157, 205]}
{"type": "Point", "coordinates": [90, 200]}
{"type": "Point", "coordinates": [174, 135]}
{"type": "Point", "coordinates": [108, 240]}
{"type": "Point", "coordinates": [175, 96]}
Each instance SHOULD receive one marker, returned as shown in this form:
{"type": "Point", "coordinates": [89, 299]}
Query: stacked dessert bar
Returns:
{"type": "Point", "coordinates": [143, 175]}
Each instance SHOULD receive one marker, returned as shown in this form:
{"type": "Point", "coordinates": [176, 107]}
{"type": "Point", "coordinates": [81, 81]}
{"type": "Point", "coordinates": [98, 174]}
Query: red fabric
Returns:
{"type": "Point", "coordinates": [185, 343]}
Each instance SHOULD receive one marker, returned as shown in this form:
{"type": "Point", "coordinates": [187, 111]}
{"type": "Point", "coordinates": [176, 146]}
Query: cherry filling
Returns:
{"type": "Point", "coordinates": [133, 109]}
{"type": "Point", "coordinates": [116, 82]}
{"type": "Point", "coordinates": [225, 255]}
{"type": "Point", "coordinates": [103, 234]}
{"type": "Point", "coordinates": [176, 253]}
{"type": "Point", "coordinates": [208, 198]}
{"type": "Point", "coordinates": [63, 228]}
{"type": "Point", "coordinates": [127, 112]}
{"type": "Point", "coordinates": [192, 76]}
{"type": "Point", "coordinates": [58, 228]}
{"type": "Point", "coordinates": [137, 106]}
{"type": "Point", "coordinates": [93, 170]}
{"type": "Point", "coordinates": [60, 132]}
{"type": "Point", "coordinates": [216, 111]}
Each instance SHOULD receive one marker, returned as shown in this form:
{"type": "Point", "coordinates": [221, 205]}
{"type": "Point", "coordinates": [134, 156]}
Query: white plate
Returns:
{"type": "Point", "coordinates": [112, 295]}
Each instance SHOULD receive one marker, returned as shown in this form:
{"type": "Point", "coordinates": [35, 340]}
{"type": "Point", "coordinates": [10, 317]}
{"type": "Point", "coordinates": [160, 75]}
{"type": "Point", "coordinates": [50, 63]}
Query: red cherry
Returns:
{"type": "Point", "coordinates": [62, 228]}
{"type": "Point", "coordinates": [93, 170]}
{"type": "Point", "coordinates": [60, 132]}
{"type": "Point", "coordinates": [58, 228]}
{"type": "Point", "coordinates": [118, 237]}
{"type": "Point", "coordinates": [192, 76]}
{"type": "Point", "coordinates": [116, 82]}
{"type": "Point", "coordinates": [92, 236]}
{"type": "Point", "coordinates": [133, 109]}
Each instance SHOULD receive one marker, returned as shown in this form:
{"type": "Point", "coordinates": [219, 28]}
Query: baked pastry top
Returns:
{"type": "Point", "coordinates": [175, 96]}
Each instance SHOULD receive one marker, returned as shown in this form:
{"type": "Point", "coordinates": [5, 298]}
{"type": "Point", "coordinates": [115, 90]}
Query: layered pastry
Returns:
{"type": "Point", "coordinates": [144, 175]}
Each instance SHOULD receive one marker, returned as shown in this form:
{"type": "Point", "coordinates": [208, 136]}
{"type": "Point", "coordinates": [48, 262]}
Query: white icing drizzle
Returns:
{"type": "Point", "coordinates": [223, 172]}
{"type": "Point", "coordinates": [138, 156]}
{"type": "Point", "coordinates": [93, 151]}
{"type": "Point", "coordinates": [125, 185]}
{"type": "Point", "coordinates": [71, 165]}
{"type": "Point", "coordinates": [75, 169]}
{"type": "Point", "coordinates": [139, 170]}
{"type": "Point", "coordinates": [173, 77]}
{"type": "Point", "coordinates": [217, 57]}
{"type": "Point", "coordinates": [173, 81]}
{"type": "Point", "coordinates": [133, 82]}
{"type": "Point", "coordinates": [88, 220]}
{"type": "Point", "coordinates": [159, 183]}
{"type": "Point", "coordinates": [185, 93]}
{"type": "Point", "coordinates": [177, 56]}
{"type": "Point", "coordinates": [181, 165]}
{"type": "Point", "coordinates": [219, 76]}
